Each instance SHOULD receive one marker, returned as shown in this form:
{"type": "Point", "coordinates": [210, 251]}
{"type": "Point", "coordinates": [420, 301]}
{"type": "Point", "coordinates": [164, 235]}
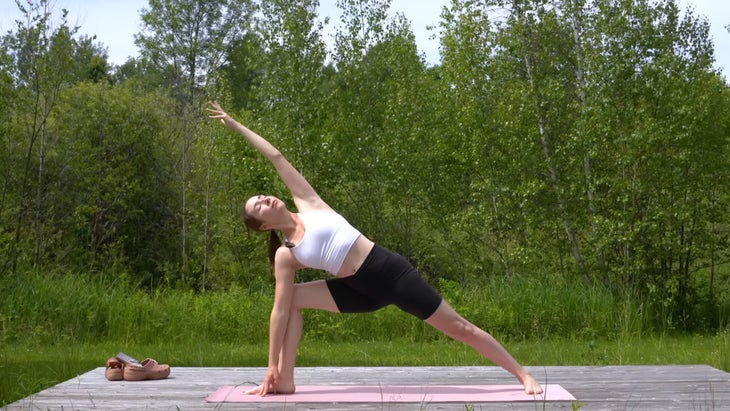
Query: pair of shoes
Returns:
{"type": "Point", "coordinates": [124, 367]}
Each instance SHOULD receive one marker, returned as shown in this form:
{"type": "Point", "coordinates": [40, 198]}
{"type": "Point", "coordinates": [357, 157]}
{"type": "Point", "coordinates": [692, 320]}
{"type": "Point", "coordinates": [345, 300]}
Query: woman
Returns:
{"type": "Point", "coordinates": [366, 276]}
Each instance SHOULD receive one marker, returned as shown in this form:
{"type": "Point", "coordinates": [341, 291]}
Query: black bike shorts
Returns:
{"type": "Point", "coordinates": [384, 278]}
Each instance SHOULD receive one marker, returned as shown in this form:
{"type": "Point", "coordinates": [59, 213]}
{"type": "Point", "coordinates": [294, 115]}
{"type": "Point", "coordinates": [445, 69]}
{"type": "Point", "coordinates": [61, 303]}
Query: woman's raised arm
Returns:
{"type": "Point", "coordinates": [305, 197]}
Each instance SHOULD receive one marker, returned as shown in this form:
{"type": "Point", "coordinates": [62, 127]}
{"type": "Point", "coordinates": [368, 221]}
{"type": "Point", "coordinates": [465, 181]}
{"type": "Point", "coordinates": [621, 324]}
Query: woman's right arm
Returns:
{"type": "Point", "coordinates": [285, 267]}
{"type": "Point", "coordinates": [302, 192]}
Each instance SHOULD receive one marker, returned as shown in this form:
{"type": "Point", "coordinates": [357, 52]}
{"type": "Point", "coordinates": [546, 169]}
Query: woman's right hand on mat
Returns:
{"type": "Point", "coordinates": [271, 380]}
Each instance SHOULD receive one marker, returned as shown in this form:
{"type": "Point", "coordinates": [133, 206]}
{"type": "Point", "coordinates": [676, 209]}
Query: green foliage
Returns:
{"type": "Point", "coordinates": [106, 165]}
{"type": "Point", "coordinates": [583, 143]}
{"type": "Point", "coordinates": [611, 194]}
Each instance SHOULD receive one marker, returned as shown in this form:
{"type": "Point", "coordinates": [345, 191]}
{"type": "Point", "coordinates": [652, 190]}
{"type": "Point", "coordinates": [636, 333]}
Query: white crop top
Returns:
{"type": "Point", "coordinates": [327, 239]}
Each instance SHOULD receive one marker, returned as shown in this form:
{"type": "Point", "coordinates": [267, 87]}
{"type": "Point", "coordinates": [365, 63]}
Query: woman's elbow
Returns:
{"type": "Point", "coordinates": [275, 155]}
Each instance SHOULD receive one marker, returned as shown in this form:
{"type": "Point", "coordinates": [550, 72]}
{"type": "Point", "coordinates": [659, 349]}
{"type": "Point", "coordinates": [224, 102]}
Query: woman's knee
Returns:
{"type": "Point", "coordinates": [464, 330]}
{"type": "Point", "coordinates": [454, 325]}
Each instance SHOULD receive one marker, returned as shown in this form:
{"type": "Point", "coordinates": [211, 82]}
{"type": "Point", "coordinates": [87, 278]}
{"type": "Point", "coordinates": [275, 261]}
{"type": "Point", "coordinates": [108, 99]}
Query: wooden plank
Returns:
{"type": "Point", "coordinates": [675, 387]}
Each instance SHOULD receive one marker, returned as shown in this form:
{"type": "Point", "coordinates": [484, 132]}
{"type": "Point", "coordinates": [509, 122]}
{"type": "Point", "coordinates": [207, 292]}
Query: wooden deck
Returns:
{"type": "Point", "coordinates": [687, 387]}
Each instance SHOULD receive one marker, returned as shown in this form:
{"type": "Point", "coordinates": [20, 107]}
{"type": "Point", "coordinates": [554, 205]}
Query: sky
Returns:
{"type": "Point", "coordinates": [115, 22]}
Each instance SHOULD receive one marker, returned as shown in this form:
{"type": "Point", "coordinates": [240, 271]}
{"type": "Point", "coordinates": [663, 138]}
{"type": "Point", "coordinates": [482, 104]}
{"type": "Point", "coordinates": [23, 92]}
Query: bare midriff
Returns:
{"type": "Point", "coordinates": [356, 256]}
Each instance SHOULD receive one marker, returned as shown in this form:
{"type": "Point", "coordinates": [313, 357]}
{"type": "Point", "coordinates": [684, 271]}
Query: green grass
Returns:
{"type": "Point", "coordinates": [72, 309]}
{"type": "Point", "coordinates": [26, 369]}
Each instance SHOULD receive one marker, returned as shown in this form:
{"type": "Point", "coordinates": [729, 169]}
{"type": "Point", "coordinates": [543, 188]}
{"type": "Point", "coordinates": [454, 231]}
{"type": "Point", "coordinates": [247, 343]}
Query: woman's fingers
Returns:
{"type": "Point", "coordinates": [252, 391]}
{"type": "Point", "coordinates": [216, 112]}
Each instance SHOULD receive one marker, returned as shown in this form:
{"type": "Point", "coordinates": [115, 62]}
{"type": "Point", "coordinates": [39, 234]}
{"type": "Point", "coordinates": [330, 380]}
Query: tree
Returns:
{"type": "Point", "coordinates": [111, 162]}
{"type": "Point", "coordinates": [244, 70]}
{"type": "Point", "coordinates": [9, 156]}
{"type": "Point", "coordinates": [42, 65]}
{"type": "Point", "coordinates": [186, 41]}
{"type": "Point", "coordinates": [358, 111]}
{"type": "Point", "coordinates": [484, 162]}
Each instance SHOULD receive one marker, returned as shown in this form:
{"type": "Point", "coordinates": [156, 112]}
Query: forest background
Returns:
{"type": "Point", "coordinates": [563, 171]}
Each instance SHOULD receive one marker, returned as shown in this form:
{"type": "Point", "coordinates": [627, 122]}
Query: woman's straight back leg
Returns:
{"type": "Point", "coordinates": [448, 321]}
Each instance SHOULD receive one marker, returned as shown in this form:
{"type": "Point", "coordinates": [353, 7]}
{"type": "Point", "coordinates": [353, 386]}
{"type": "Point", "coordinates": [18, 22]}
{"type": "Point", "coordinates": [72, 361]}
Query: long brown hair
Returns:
{"type": "Point", "coordinates": [254, 224]}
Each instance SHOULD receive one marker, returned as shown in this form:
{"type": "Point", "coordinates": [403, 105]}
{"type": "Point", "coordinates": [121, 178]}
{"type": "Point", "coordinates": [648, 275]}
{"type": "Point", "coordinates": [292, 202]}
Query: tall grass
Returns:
{"type": "Point", "coordinates": [55, 309]}
{"type": "Point", "coordinates": [77, 308]}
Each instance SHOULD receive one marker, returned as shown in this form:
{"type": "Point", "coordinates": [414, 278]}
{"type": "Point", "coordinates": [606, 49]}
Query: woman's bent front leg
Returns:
{"type": "Point", "coordinates": [308, 295]}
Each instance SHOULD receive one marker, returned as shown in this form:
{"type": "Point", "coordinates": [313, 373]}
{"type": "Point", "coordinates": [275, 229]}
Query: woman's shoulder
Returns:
{"type": "Point", "coordinates": [320, 210]}
{"type": "Point", "coordinates": [312, 204]}
{"type": "Point", "coordinates": [284, 260]}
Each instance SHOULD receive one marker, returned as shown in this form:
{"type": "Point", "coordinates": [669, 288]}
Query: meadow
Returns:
{"type": "Point", "coordinates": [53, 328]}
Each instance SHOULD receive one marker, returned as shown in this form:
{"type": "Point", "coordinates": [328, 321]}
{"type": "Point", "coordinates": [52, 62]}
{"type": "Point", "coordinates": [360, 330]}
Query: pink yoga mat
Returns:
{"type": "Point", "coordinates": [395, 393]}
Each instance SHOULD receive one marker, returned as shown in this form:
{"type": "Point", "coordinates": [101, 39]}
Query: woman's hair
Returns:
{"type": "Point", "coordinates": [255, 225]}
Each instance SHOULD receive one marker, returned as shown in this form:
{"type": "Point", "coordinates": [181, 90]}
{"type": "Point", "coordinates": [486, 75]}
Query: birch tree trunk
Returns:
{"type": "Point", "coordinates": [545, 143]}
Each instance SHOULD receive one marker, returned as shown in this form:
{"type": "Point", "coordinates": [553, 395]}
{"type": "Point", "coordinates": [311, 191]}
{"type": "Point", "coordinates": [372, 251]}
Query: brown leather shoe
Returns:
{"type": "Point", "coordinates": [114, 370]}
{"type": "Point", "coordinates": [150, 370]}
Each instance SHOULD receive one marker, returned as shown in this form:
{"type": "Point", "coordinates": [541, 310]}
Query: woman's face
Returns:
{"type": "Point", "coordinates": [264, 208]}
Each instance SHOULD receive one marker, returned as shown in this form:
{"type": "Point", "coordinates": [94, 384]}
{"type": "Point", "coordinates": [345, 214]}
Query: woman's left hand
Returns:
{"type": "Point", "coordinates": [216, 112]}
